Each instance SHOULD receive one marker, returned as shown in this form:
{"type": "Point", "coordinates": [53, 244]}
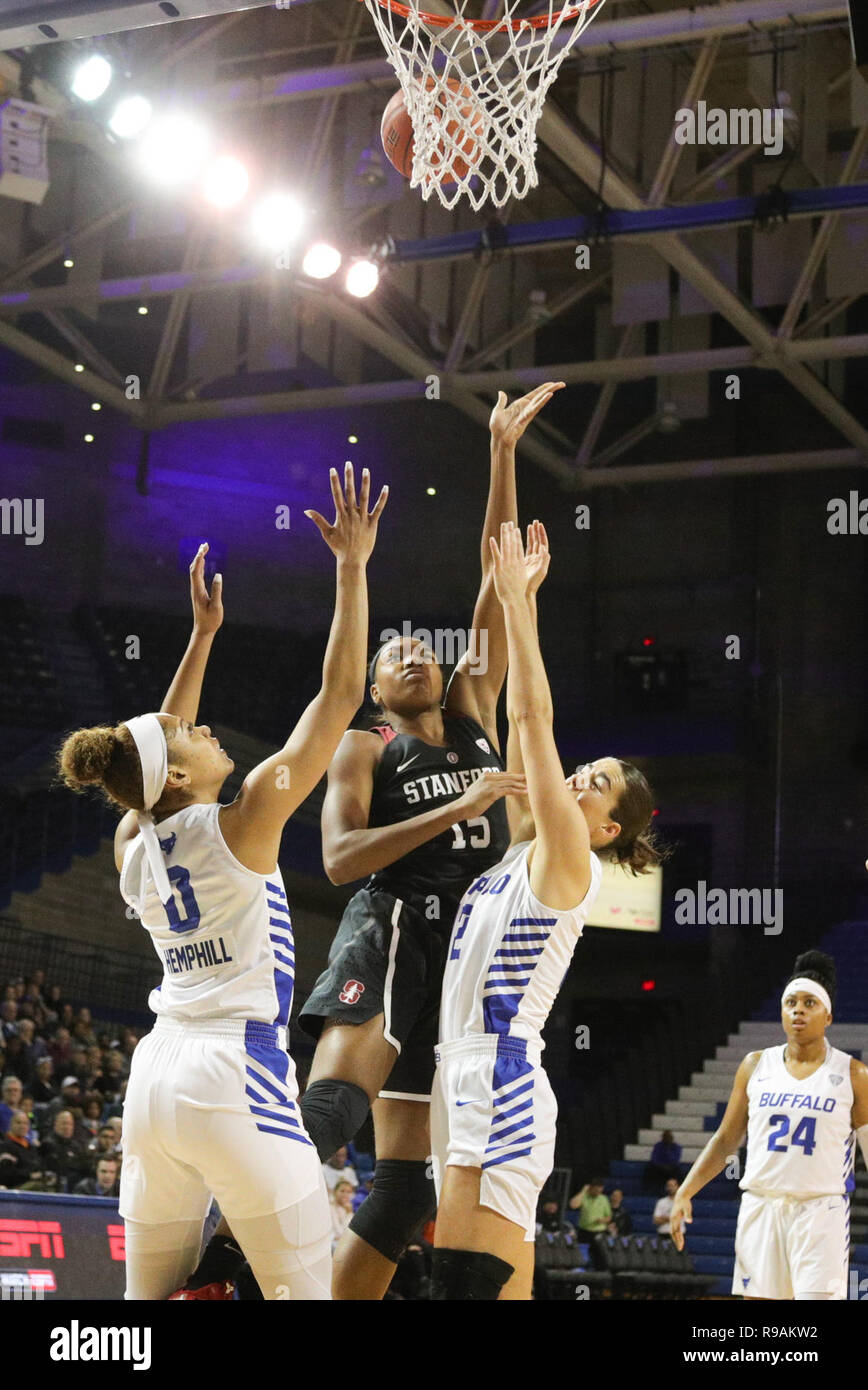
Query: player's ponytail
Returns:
{"type": "Point", "coordinates": [816, 965]}
{"type": "Point", "coordinates": [107, 758]}
{"type": "Point", "coordinates": [637, 847]}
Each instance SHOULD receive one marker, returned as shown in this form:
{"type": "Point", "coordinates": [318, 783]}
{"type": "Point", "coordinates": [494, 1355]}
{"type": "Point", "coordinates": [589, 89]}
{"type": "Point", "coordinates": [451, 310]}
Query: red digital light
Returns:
{"type": "Point", "coordinates": [648, 985]}
{"type": "Point", "coordinates": [656, 811]}
{"type": "Point", "coordinates": [647, 641]}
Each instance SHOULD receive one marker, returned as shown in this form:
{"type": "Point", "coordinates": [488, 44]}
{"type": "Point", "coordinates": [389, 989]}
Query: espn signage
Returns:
{"type": "Point", "coordinates": [60, 1248]}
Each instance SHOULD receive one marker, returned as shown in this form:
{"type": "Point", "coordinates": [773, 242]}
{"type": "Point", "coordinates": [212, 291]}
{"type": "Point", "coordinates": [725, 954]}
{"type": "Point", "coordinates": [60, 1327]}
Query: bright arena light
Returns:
{"type": "Point", "coordinates": [173, 149]}
{"type": "Point", "coordinates": [362, 278]}
{"type": "Point", "coordinates": [321, 261]}
{"type": "Point", "coordinates": [277, 221]}
{"type": "Point", "coordinates": [91, 78]}
{"type": "Point", "coordinates": [226, 182]}
{"type": "Point", "coordinates": [130, 117]}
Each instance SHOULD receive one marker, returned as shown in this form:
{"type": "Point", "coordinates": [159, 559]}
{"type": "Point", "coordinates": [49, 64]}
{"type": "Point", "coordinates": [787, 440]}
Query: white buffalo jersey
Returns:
{"type": "Point", "coordinates": [225, 940]}
{"type": "Point", "coordinates": [800, 1137]}
{"type": "Point", "coordinates": [509, 953]}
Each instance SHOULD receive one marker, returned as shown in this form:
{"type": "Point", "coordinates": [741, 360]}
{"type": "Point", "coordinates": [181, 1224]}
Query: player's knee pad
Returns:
{"type": "Point", "coordinates": [333, 1113]}
{"type": "Point", "coordinates": [401, 1200]}
{"type": "Point", "coordinates": [467, 1274]}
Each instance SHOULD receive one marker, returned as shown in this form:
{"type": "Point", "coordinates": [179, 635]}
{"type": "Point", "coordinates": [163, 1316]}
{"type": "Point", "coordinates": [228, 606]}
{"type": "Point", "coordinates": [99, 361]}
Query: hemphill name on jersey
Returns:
{"type": "Point", "coordinates": [444, 783]}
{"type": "Point", "coordinates": [197, 955]}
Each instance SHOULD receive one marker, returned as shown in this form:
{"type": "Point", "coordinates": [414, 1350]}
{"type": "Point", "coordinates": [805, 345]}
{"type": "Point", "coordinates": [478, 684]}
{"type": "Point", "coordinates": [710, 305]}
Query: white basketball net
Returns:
{"type": "Point", "coordinates": [475, 96]}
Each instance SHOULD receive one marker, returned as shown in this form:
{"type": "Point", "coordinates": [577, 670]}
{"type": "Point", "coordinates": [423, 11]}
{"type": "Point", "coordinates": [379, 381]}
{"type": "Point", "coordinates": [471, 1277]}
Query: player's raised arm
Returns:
{"type": "Point", "coordinates": [183, 696]}
{"type": "Point", "coordinates": [536, 558]}
{"type": "Point", "coordinates": [253, 823]}
{"type": "Point", "coordinates": [478, 678]}
{"type": "Point", "coordinates": [560, 871]}
{"type": "Point", "coordinates": [725, 1142]}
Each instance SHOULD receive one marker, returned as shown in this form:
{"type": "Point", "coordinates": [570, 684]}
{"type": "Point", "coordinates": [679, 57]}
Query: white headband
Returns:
{"type": "Point", "coordinates": [148, 736]}
{"type": "Point", "coordinates": [809, 987]}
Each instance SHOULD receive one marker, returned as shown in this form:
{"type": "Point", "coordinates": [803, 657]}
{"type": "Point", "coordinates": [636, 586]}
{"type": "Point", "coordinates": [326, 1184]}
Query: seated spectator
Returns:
{"type": "Point", "coordinates": [102, 1143]}
{"type": "Point", "coordinates": [63, 1153]}
{"type": "Point", "coordinates": [550, 1219]}
{"type": "Point", "coordinates": [32, 1047]}
{"type": "Point", "coordinates": [16, 1059]}
{"type": "Point", "coordinates": [10, 1099]}
{"type": "Point", "coordinates": [69, 1099]}
{"type": "Point", "coordinates": [92, 1113]}
{"type": "Point", "coordinates": [115, 1124]}
{"type": "Point", "coordinates": [106, 1183]}
{"type": "Point", "coordinates": [59, 1050]}
{"type": "Point", "coordinates": [9, 1019]}
{"type": "Point", "coordinates": [129, 1042]}
{"type": "Point", "coordinates": [663, 1209]}
{"type": "Point", "coordinates": [115, 1108]}
{"type": "Point", "coordinates": [83, 1029]}
{"type": "Point", "coordinates": [27, 1107]}
{"type": "Point", "coordinates": [20, 1160]}
{"type": "Point", "coordinates": [67, 1017]}
{"type": "Point", "coordinates": [80, 1067]}
{"type": "Point", "coordinates": [336, 1169]}
{"type": "Point", "coordinates": [42, 1090]}
{"type": "Point", "coordinates": [593, 1208]}
{"type": "Point", "coordinates": [341, 1208]}
{"type": "Point", "coordinates": [621, 1223]}
{"type": "Point", "coordinates": [52, 999]}
{"type": "Point", "coordinates": [664, 1162]}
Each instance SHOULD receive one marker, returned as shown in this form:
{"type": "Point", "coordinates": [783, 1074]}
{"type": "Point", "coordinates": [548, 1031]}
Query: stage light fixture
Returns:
{"type": "Point", "coordinates": [91, 78]}
{"type": "Point", "coordinates": [143, 308]}
{"type": "Point", "coordinates": [88, 439]}
{"type": "Point", "coordinates": [79, 367]}
{"type": "Point", "coordinates": [130, 117]}
{"type": "Point", "coordinates": [173, 149]}
{"type": "Point", "coordinates": [68, 262]}
{"type": "Point", "coordinates": [226, 182]}
{"type": "Point", "coordinates": [96, 406]}
{"type": "Point", "coordinates": [362, 279]}
{"type": "Point", "coordinates": [320, 261]}
{"type": "Point", "coordinates": [277, 221]}
{"type": "Point", "coordinates": [352, 439]}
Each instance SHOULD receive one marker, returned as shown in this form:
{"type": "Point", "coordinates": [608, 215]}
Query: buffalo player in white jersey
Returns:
{"type": "Point", "coordinates": [804, 1105]}
{"type": "Point", "coordinates": [211, 1106]}
{"type": "Point", "coordinates": [493, 1110]}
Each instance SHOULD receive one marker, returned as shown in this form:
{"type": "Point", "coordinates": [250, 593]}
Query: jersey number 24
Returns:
{"type": "Point", "coordinates": [803, 1136]}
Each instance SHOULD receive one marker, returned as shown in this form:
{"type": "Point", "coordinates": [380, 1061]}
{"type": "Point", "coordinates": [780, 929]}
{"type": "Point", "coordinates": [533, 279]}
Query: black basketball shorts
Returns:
{"type": "Point", "coordinates": [386, 958]}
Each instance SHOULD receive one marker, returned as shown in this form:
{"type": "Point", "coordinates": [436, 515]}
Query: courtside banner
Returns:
{"type": "Point", "coordinates": [60, 1248]}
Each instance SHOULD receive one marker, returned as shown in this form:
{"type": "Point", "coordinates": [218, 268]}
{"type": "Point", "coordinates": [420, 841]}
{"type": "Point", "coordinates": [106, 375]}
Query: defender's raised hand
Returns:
{"type": "Point", "coordinates": [537, 556]}
{"type": "Point", "coordinates": [207, 608]}
{"type": "Point", "coordinates": [509, 422]}
{"type": "Point", "coordinates": [509, 570]}
{"type": "Point", "coordinates": [354, 531]}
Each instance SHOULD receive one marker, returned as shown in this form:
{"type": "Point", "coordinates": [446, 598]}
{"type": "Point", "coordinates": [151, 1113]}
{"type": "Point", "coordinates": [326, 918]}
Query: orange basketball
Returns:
{"type": "Point", "coordinates": [396, 132]}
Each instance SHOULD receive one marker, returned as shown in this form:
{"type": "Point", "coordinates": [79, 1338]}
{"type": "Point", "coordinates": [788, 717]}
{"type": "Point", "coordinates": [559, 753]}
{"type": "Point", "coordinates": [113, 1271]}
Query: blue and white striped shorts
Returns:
{"type": "Point", "coordinates": [493, 1108]}
{"type": "Point", "coordinates": [211, 1109]}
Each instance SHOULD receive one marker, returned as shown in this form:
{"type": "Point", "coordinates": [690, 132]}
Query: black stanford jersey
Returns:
{"type": "Point", "coordinates": [413, 777]}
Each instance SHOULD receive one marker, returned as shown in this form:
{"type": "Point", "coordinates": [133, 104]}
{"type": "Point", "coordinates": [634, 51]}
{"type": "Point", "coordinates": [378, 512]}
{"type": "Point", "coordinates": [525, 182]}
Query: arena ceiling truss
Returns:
{"type": "Point", "coordinates": [666, 208]}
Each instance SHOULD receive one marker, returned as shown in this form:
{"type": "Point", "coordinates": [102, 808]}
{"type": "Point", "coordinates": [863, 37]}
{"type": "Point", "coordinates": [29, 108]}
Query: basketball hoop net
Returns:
{"type": "Point", "coordinates": [474, 91]}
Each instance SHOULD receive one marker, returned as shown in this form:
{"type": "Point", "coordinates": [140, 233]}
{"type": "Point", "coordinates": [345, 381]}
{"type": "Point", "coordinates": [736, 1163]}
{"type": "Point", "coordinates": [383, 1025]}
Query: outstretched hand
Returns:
{"type": "Point", "coordinates": [509, 422]}
{"type": "Point", "coordinates": [207, 608]}
{"type": "Point", "coordinates": [354, 531]}
{"type": "Point", "coordinates": [537, 556]}
{"type": "Point", "coordinates": [509, 570]}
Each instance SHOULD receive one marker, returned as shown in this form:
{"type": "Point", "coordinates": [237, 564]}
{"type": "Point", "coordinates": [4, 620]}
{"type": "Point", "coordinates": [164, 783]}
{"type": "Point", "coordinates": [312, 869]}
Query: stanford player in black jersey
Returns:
{"type": "Point", "coordinates": [415, 807]}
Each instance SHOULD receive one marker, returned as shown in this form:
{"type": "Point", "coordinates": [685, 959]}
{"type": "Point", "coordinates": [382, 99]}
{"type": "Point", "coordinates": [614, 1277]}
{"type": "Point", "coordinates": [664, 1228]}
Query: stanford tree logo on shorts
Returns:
{"type": "Point", "coordinates": [351, 992]}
